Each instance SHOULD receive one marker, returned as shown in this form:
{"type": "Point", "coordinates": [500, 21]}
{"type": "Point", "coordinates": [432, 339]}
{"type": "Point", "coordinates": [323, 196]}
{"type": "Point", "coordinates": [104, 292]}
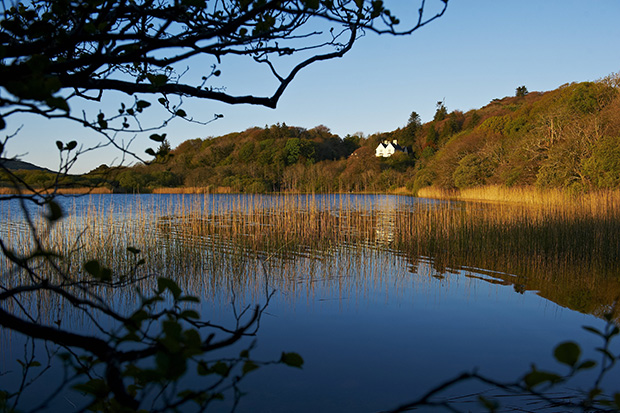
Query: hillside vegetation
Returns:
{"type": "Point", "coordinates": [568, 138]}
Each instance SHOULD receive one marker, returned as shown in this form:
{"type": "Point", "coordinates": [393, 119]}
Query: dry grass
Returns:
{"type": "Point", "coordinates": [524, 196]}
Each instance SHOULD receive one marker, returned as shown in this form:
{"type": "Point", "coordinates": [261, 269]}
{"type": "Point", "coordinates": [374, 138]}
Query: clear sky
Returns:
{"type": "Point", "coordinates": [480, 50]}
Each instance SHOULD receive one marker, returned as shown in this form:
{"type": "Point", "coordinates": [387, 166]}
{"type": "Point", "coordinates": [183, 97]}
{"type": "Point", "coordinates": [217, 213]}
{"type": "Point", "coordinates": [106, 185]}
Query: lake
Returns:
{"type": "Point", "coordinates": [378, 316]}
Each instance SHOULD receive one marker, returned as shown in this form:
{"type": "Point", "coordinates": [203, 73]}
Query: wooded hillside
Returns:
{"type": "Point", "coordinates": [566, 138]}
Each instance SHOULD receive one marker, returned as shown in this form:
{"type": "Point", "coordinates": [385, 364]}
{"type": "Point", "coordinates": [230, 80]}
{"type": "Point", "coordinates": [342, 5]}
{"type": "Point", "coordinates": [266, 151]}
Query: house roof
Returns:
{"type": "Point", "coordinates": [395, 145]}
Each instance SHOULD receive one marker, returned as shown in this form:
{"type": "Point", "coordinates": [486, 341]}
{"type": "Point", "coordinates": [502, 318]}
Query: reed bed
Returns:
{"type": "Point", "coordinates": [527, 195]}
{"type": "Point", "coordinates": [566, 250]}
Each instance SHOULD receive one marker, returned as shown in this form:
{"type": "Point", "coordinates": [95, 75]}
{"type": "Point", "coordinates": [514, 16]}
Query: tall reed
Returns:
{"type": "Point", "coordinates": [214, 244]}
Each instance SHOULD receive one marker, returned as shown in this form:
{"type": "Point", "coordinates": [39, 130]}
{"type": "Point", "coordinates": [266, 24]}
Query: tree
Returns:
{"type": "Point", "coordinates": [414, 123]}
{"type": "Point", "coordinates": [297, 149]}
{"type": "Point", "coordinates": [521, 91]}
{"type": "Point", "coordinates": [57, 59]}
{"type": "Point", "coordinates": [441, 112]}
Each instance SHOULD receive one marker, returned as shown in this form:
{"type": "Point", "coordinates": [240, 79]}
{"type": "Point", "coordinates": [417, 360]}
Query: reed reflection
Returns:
{"type": "Point", "coordinates": [214, 246]}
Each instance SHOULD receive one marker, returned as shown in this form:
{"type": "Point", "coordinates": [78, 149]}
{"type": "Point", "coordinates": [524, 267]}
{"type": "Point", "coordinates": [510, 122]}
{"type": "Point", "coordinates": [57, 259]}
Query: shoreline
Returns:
{"type": "Point", "coordinates": [525, 195]}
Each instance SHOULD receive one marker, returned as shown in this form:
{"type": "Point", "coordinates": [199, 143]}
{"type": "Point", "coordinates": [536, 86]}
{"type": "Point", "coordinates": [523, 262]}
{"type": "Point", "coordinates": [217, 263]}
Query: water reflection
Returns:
{"type": "Point", "coordinates": [386, 220]}
{"type": "Point", "coordinates": [323, 235]}
{"type": "Point", "coordinates": [383, 296]}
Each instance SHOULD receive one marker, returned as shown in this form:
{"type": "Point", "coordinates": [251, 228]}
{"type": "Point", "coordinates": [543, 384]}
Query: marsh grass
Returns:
{"type": "Point", "coordinates": [568, 250]}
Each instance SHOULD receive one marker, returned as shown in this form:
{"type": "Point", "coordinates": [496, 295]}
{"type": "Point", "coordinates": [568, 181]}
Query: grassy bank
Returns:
{"type": "Point", "coordinates": [527, 195]}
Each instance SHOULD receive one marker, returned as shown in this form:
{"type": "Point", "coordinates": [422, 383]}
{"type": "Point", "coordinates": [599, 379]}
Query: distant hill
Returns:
{"type": "Point", "coordinates": [17, 165]}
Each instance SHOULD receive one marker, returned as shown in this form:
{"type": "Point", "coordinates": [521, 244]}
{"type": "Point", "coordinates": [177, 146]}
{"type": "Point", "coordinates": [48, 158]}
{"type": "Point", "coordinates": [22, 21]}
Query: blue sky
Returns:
{"type": "Point", "coordinates": [480, 50]}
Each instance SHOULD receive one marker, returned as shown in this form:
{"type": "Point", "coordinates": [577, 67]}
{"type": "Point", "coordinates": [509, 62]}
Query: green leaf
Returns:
{"type": "Point", "coordinates": [96, 387]}
{"type": "Point", "coordinates": [136, 319]}
{"type": "Point", "coordinates": [377, 8]}
{"type": "Point", "coordinates": [172, 328]}
{"type": "Point", "coordinates": [103, 124]}
{"type": "Point", "coordinates": [249, 366]}
{"type": "Point", "coordinates": [189, 314]}
{"type": "Point", "coordinates": [157, 138]}
{"type": "Point", "coordinates": [594, 392]}
{"type": "Point", "coordinates": [97, 271]}
{"type": "Point", "coordinates": [221, 369]}
{"type": "Point", "coordinates": [181, 113]}
{"type": "Point", "coordinates": [292, 359]}
{"type": "Point", "coordinates": [166, 283]}
{"type": "Point", "coordinates": [142, 104]}
{"type": "Point", "coordinates": [60, 145]}
{"type": "Point", "coordinates": [92, 267]}
{"type": "Point", "coordinates": [535, 377]}
{"type": "Point", "coordinates": [588, 364]}
{"type": "Point", "coordinates": [71, 145]}
{"type": "Point", "coordinates": [151, 152]}
{"type": "Point", "coordinates": [56, 102]}
{"type": "Point", "coordinates": [133, 250]}
{"type": "Point", "coordinates": [244, 354]}
{"type": "Point", "coordinates": [55, 212]}
{"type": "Point", "coordinates": [202, 369]}
{"type": "Point", "coordinates": [567, 353]}
{"type": "Point", "coordinates": [593, 330]}
{"type": "Point", "coordinates": [157, 80]}
{"type": "Point", "coordinates": [2, 126]}
{"type": "Point", "coordinates": [193, 342]}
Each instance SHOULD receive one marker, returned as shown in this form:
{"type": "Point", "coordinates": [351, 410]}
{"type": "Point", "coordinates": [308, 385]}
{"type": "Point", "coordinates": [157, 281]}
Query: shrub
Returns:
{"type": "Point", "coordinates": [602, 169]}
{"type": "Point", "coordinates": [472, 171]}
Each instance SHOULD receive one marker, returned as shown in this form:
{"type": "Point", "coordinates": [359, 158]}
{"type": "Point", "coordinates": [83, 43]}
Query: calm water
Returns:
{"type": "Point", "coordinates": [375, 331]}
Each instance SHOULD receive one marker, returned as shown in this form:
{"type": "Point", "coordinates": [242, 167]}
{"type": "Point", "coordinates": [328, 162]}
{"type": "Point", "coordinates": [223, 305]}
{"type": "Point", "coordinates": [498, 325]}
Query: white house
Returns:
{"type": "Point", "coordinates": [387, 149]}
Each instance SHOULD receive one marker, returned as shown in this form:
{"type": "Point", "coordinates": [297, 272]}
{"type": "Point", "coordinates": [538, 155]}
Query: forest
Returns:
{"type": "Point", "coordinates": [567, 138]}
